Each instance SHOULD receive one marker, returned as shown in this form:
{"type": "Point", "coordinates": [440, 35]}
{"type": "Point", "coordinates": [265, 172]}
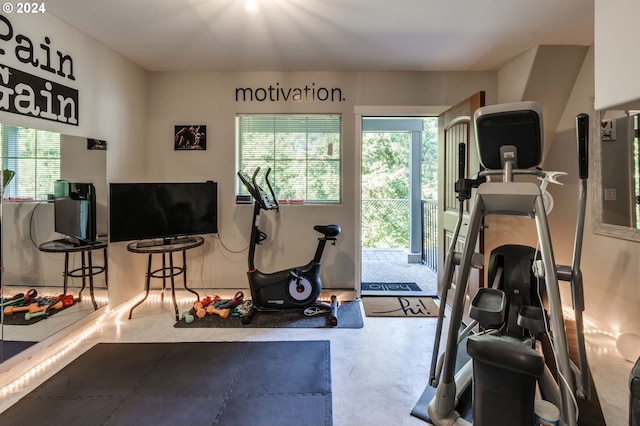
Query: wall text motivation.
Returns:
{"type": "Point", "coordinates": [277, 93]}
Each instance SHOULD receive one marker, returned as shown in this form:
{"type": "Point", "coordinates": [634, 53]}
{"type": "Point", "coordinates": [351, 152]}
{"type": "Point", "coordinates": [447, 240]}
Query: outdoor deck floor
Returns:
{"type": "Point", "coordinates": [392, 266]}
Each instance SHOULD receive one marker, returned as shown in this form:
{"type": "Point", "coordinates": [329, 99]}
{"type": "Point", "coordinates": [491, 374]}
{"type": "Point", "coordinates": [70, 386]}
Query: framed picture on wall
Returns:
{"type": "Point", "coordinates": [190, 137]}
{"type": "Point", "coordinates": [96, 144]}
{"type": "Point", "coordinates": [608, 130]}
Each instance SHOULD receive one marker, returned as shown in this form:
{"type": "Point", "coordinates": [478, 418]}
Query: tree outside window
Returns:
{"type": "Point", "coordinates": [34, 156]}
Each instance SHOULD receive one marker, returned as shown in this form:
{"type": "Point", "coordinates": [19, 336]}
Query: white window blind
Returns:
{"type": "Point", "coordinates": [34, 156]}
{"type": "Point", "coordinates": [303, 152]}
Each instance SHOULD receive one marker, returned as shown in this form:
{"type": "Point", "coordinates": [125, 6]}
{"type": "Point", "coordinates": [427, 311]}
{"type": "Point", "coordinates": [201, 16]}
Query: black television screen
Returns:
{"type": "Point", "coordinates": [146, 211]}
{"type": "Point", "coordinates": [75, 211]}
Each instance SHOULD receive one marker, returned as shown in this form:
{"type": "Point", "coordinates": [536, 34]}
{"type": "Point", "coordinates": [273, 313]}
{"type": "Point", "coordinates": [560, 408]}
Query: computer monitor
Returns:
{"type": "Point", "coordinates": [75, 211]}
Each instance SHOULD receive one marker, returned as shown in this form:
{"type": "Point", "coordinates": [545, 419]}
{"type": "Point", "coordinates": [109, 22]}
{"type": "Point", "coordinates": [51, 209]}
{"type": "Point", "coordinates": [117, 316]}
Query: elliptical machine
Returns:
{"type": "Point", "coordinates": [297, 287]}
{"type": "Point", "coordinates": [523, 302]}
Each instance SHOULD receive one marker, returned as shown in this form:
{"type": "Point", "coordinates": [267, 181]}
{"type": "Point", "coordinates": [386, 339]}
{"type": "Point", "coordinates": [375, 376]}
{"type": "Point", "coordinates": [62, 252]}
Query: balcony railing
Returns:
{"type": "Point", "coordinates": [430, 234]}
{"type": "Point", "coordinates": [385, 224]}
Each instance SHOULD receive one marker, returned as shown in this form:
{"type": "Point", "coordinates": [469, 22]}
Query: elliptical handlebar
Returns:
{"type": "Point", "coordinates": [582, 133]}
{"type": "Point", "coordinates": [583, 383]}
{"type": "Point", "coordinates": [463, 186]}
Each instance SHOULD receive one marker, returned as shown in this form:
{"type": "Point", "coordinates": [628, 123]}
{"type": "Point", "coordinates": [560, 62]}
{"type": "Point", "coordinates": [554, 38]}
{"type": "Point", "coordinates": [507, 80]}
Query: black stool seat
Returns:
{"type": "Point", "coordinates": [328, 230]}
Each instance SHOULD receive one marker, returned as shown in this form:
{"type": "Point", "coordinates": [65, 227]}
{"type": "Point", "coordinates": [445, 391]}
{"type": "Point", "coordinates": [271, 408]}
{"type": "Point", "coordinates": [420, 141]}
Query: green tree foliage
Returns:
{"type": "Point", "coordinates": [302, 151]}
{"type": "Point", "coordinates": [385, 165]}
{"type": "Point", "coordinates": [430, 159]}
{"type": "Point", "coordinates": [35, 157]}
{"type": "Point", "coordinates": [385, 189]}
{"type": "Point", "coordinates": [385, 184]}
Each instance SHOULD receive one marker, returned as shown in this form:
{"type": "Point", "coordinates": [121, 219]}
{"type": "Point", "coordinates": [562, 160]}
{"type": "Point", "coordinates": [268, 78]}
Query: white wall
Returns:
{"type": "Point", "coordinates": [24, 264]}
{"type": "Point", "coordinates": [79, 164]}
{"type": "Point", "coordinates": [616, 34]}
{"type": "Point", "coordinates": [113, 99]}
{"type": "Point", "coordinates": [209, 98]}
{"type": "Point", "coordinates": [610, 266]}
{"type": "Point", "coordinates": [513, 77]}
{"type": "Point", "coordinates": [112, 105]}
{"type": "Point", "coordinates": [28, 224]}
{"type": "Point", "coordinates": [112, 90]}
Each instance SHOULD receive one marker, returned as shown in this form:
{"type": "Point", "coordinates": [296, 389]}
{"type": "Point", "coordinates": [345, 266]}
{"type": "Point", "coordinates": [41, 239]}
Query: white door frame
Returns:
{"type": "Point", "coordinates": [380, 111]}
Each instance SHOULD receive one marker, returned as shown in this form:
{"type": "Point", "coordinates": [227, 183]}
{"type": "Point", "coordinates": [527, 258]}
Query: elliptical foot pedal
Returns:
{"type": "Point", "coordinates": [531, 318]}
{"type": "Point", "coordinates": [487, 307]}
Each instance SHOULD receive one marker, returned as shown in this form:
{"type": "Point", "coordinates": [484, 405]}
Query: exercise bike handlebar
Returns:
{"type": "Point", "coordinates": [264, 200]}
{"type": "Point", "coordinates": [273, 194]}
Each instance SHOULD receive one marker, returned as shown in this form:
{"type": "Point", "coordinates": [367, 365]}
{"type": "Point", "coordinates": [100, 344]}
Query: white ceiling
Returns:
{"type": "Point", "coordinates": [328, 35]}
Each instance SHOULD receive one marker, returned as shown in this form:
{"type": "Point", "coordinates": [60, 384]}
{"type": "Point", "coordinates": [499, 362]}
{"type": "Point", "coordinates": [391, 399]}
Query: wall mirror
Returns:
{"type": "Point", "coordinates": [27, 221]}
{"type": "Point", "coordinates": [616, 172]}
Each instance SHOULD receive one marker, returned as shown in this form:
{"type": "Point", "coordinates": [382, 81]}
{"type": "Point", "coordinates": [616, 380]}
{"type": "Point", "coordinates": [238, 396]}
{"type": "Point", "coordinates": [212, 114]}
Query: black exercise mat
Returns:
{"type": "Point", "coordinates": [349, 316]}
{"type": "Point", "coordinates": [18, 318]}
{"type": "Point", "coordinates": [195, 383]}
{"type": "Point", "coordinates": [9, 348]}
{"type": "Point", "coordinates": [390, 287]}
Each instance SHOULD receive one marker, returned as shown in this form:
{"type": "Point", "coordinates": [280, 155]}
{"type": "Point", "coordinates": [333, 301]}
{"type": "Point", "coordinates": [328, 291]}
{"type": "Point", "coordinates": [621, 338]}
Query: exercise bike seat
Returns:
{"type": "Point", "coordinates": [329, 231]}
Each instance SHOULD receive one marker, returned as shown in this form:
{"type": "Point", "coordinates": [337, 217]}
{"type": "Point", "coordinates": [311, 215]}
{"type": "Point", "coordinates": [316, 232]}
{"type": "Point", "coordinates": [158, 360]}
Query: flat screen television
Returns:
{"type": "Point", "coordinates": [75, 211]}
{"type": "Point", "coordinates": [163, 211]}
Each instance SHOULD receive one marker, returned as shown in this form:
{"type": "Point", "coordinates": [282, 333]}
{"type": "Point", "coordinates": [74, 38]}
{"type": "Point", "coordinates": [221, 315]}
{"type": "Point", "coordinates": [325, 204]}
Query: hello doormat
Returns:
{"type": "Point", "coordinates": [412, 307]}
{"type": "Point", "coordinates": [390, 287]}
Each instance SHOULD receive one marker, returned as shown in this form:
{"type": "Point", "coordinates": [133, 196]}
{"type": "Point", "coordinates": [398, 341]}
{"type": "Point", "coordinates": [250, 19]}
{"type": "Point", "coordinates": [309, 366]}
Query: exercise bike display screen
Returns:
{"type": "Point", "coordinates": [143, 211]}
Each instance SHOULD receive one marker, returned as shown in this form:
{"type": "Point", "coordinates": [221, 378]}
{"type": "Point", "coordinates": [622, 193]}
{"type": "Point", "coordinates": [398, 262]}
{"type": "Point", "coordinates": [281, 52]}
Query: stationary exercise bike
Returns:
{"type": "Point", "coordinates": [297, 287]}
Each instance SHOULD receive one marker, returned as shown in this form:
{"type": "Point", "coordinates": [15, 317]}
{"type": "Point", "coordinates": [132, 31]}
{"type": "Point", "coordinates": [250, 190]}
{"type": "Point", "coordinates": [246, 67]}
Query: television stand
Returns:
{"type": "Point", "coordinates": [180, 240]}
{"type": "Point", "coordinates": [170, 270]}
{"type": "Point", "coordinates": [86, 270]}
{"type": "Point", "coordinates": [76, 242]}
{"type": "Point", "coordinates": [161, 242]}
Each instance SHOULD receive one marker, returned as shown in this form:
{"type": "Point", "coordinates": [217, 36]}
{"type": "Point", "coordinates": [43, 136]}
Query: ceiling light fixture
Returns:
{"type": "Point", "coordinates": [251, 6]}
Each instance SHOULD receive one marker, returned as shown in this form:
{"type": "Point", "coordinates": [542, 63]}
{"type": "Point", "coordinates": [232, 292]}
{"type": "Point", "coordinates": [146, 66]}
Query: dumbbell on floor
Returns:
{"type": "Point", "coordinates": [188, 318]}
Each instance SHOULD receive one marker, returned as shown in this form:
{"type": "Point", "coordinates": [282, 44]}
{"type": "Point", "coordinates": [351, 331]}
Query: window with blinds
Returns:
{"type": "Point", "coordinates": [34, 156]}
{"type": "Point", "coordinates": [303, 152]}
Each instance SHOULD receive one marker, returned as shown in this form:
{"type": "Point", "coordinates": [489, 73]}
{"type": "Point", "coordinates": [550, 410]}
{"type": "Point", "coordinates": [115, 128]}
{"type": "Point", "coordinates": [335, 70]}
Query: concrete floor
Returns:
{"type": "Point", "coordinates": [378, 372]}
{"type": "Point", "coordinates": [391, 265]}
